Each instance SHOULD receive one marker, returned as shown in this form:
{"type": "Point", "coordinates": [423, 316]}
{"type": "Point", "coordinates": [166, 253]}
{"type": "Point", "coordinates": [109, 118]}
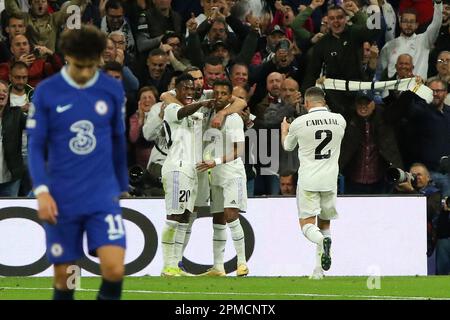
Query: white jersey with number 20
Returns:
{"type": "Point", "coordinates": [318, 134]}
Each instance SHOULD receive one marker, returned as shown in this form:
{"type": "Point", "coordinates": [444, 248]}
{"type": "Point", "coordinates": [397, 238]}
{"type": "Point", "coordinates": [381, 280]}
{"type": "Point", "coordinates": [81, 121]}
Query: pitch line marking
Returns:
{"type": "Point", "coordinates": [249, 294]}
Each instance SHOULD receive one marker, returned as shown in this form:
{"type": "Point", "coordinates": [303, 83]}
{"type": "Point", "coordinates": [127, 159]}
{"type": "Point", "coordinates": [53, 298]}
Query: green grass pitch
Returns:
{"type": "Point", "coordinates": [249, 288]}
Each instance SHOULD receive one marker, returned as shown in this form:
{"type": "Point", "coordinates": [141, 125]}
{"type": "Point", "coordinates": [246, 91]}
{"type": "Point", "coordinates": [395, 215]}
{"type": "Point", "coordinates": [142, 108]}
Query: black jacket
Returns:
{"type": "Point", "coordinates": [384, 139]}
{"type": "Point", "coordinates": [13, 123]}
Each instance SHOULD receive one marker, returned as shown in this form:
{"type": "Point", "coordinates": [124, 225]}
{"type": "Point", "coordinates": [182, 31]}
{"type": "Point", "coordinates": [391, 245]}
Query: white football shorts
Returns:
{"type": "Point", "coordinates": [203, 191]}
{"type": "Point", "coordinates": [317, 203]}
{"type": "Point", "coordinates": [232, 193]}
{"type": "Point", "coordinates": [180, 192]}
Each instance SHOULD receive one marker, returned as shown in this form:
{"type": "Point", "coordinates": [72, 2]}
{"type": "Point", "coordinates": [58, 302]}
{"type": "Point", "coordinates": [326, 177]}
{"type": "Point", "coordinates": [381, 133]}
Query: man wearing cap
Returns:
{"type": "Point", "coordinates": [276, 34]}
{"type": "Point", "coordinates": [369, 147]}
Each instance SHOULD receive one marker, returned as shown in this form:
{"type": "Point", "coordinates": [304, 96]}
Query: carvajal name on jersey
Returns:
{"type": "Point", "coordinates": [320, 122]}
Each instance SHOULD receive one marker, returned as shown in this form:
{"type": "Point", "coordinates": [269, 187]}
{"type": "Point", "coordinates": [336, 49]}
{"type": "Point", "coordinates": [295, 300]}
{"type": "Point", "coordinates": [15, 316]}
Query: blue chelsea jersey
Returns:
{"type": "Point", "coordinates": [77, 142]}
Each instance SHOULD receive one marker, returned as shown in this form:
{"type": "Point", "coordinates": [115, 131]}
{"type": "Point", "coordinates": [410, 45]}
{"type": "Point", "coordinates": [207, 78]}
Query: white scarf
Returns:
{"type": "Point", "coordinates": [401, 85]}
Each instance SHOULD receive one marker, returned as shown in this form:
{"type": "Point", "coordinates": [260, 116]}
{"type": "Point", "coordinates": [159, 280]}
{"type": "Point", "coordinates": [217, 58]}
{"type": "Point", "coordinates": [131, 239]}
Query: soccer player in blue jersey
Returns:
{"type": "Point", "coordinates": [77, 160]}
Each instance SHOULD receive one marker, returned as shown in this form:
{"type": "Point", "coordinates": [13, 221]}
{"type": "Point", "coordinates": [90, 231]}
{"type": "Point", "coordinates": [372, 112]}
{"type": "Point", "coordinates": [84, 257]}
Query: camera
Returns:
{"type": "Point", "coordinates": [135, 174]}
{"type": "Point", "coordinates": [396, 175]}
{"type": "Point", "coordinates": [446, 201]}
{"type": "Point", "coordinates": [136, 178]}
{"type": "Point", "coordinates": [144, 183]}
{"type": "Point", "coordinates": [36, 52]}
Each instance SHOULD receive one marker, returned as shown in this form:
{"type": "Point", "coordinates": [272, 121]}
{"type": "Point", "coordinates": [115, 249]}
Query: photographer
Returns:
{"type": "Point", "coordinates": [419, 182]}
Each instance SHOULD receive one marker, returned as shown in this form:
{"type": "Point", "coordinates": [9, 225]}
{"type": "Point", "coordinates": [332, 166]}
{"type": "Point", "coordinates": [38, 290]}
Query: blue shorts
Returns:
{"type": "Point", "coordinates": [65, 238]}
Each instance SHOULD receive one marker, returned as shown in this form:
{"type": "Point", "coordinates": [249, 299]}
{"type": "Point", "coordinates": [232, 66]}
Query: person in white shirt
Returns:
{"type": "Point", "coordinates": [179, 176]}
{"type": "Point", "coordinates": [228, 182]}
{"type": "Point", "coordinates": [318, 134]}
{"type": "Point", "coordinates": [184, 230]}
{"type": "Point", "coordinates": [417, 45]}
{"type": "Point", "coordinates": [203, 192]}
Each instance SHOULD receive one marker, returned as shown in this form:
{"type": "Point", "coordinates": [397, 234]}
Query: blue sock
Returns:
{"type": "Point", "coordinates": [110, 290]}
{"type": "Point", "coordinates": [63, 294]}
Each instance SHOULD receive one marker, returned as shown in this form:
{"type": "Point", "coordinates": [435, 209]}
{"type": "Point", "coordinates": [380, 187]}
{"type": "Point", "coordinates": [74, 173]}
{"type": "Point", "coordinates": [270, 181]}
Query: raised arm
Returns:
{"type": "Point", "coordinates": [288, 140]}
{"type": "Point", "coordinates": [432, 31]}
{"type": "Point", "coordinates": [192, 108]}
{"type": "Point", "coordinates": [12, 8]}
{"type": "Point", "coordinates": [298, 24]}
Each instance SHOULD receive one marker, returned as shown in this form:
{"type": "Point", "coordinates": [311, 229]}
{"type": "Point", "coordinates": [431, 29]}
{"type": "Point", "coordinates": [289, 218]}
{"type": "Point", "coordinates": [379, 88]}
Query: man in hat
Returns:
{"type": "Point", "coordinates": [369, 147]}
{"type": "Point", "coordinates": [276, 34]}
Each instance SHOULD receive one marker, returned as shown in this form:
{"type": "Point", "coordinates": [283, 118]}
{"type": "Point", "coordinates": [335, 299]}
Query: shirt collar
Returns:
{"type": "Point", "coordinates": [72, 83]}
{"type": "Point", "coordinates": [314, 109]}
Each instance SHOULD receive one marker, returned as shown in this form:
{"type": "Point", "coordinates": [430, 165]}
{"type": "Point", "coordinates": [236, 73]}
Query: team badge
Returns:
{"type": "Point", "coordinates": [101, 107]}
{"type": "Point", "coordinates": [56, 250]}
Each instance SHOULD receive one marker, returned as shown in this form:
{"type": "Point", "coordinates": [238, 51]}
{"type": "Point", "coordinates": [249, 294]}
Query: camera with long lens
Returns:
{"type": "Point", "coordinates": [446, 200]}
{"type": "Point", "coordinates": [136, 178]}
{"type": "Point", "coordinates": [396, 175]}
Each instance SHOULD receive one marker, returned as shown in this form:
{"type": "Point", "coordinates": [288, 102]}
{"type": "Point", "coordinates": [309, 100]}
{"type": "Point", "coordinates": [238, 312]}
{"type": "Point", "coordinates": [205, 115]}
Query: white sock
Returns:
{"type": "Point", "coordinates": [219, 242]}
{"type": "Point", "coordinates": [312, 233]}
{"type": "Point", "coordinates": [168, 242]}
{"type": "Point", "coordinates": [319, 251]}
{"type": "Point", "coordinates": [180, 236]}
{"type": "Point", "coordinates": [192, 217]}
{"type": "Point", "coordinates": [237, 233]}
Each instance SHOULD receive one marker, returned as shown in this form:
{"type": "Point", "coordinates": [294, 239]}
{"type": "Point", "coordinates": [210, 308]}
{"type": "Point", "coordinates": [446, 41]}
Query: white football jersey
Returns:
{"type": "Point", "coordinates": [223, 140]}
{"type": "Point", "coordinates": [318, 134]}
{"type": "Point", "coordinates": [184, 139]}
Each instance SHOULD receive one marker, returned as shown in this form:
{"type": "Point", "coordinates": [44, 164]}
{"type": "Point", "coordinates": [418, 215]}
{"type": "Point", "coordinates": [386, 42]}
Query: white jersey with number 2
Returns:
{"type": "Point", "coordinates": [318, 134]}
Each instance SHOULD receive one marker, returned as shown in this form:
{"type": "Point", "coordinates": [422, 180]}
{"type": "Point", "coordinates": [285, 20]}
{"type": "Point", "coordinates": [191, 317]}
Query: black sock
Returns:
{"type": "Point", "coordinates": [110, 290]}
{"type": "Point", "coordinates": [63, 294]}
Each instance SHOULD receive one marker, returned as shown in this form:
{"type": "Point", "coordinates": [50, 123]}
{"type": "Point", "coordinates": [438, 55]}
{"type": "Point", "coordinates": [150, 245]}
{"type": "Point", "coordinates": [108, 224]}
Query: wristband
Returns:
{"type": "Point", "coordinates": [40, 189]}
{"type": "Point", "coordinates": [218, 161]}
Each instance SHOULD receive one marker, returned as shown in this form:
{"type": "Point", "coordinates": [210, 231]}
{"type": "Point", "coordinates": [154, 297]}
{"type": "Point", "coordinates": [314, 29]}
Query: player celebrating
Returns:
{"type": "Point", "coordinates": [77, 161]}
{"type": "Point", "coordinates": [319, 134]}
{"type": "Point", "coordinates": [183, 130]}
{"type": "Point", "coordinates": [203, 191]}
{"type": "Point", "coordinates": [228, 182]}
{"type": "Point", "coordinates": [184, 230]}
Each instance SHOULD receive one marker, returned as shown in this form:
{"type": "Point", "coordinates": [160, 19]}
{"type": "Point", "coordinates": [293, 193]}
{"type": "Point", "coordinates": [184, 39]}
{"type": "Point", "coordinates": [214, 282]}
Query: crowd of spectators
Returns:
{"type": "Point", "coordinates": [272, 51]}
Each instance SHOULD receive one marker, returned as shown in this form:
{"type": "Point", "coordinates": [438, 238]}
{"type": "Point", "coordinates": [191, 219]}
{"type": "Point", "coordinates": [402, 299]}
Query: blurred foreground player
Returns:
{"type": "Point", "coordinates": [318, 134]}
{"type": "Point", "coordinates": [77, 161]}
